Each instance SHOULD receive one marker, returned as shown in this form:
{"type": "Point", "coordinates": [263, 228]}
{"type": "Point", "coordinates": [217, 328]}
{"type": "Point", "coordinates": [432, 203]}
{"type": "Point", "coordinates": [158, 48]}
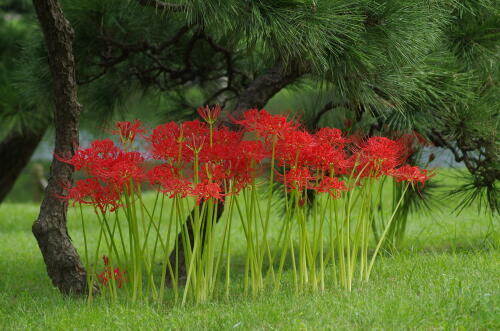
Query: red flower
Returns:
{"type": "Point", "coordinates": [109, 164]}
{"type": "Point", "coordinates": [327, 158]}
{"type": "Point", "coordinates": [332, 186]}
{"type": "Point", "coordinates": [266, 124]}
{"type": "Point", "coordinates": [210, 115]}
{"type": "Point", "coordinates": [223, 148]}
{"type": "Point", "coordinates": [104, 277]}
{"type": "Point", "coordinates": [169, 180]}
{"type": "Point", "coordinates": [166, 142]}
{"type": "Point", "coordinates": [195, 133]}
{"type": "Point", "coordinates": [244, 168]}
{"type": "Point", "coordinates": [91, 191]}
{"type": "Point", "coordinates": [195, 128]}
{"type": "Point", "coordinates": [89, 158]}
{"type": "Point", "coordinates": [119, 276]}
{"type": "Point", "coordinates": [117, 170]}
{"type": "Point", "coordinates": [128, 130]}
{"type": "Point", "coordinates": [109, 274]}
{"type": "Point", "coordinates": [298, 179]}
{"type": "Point", "coordinates": [105, 260]}
{"type": "Point", "coordinates": [206, 190]}
{"type": "Point", "coordinates": [294, 147]}
{"type": "Point", "coordinates": [379, 155]}
{"type": "Point", "coordinates": [215, 171]}
{"type": "Point", "coordinates": [121, 170]}
{"type": "Point", "coordinates": [331, 136]}
{"type": "Point", "coordinates": [411, 174]}
{"type": "Point", "coordinates": [251, 150]}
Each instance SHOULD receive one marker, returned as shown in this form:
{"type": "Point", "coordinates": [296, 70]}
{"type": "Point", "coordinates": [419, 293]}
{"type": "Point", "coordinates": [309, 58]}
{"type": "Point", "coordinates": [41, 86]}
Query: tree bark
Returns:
{"type": "Point", "coordinates": [265, 86]}
{"type": "Point", "coordinates": [15, 152]}
{"type": "Point", "coordinates": [63, 263]}
{"type": "Point", "coordinates": [256, 95]}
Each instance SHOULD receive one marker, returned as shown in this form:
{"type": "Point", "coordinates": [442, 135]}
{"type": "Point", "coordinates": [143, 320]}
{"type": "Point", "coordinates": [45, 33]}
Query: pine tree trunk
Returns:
{"type": "Point", "coordinates": [15, 152]}
{"type": "Point", "coordinates": [63, 263]}
{"type": "Point", "coordinates": [256, 95]}
{"type": "Point", "coordinates": [265, 86]}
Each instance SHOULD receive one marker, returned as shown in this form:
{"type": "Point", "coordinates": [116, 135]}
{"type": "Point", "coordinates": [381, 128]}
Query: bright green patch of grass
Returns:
{"type": "Point", "coordinates": [446, 277]}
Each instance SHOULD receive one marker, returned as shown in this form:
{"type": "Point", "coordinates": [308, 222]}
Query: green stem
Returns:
{"type": "Point", "coordinates": [384, 234]}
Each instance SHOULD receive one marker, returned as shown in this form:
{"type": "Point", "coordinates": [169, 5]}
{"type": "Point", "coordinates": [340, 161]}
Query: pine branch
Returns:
{"type": "Point", "coordinates": [265, 86]}
{"type": "Point", "coordinates": [326, 108]}
{"type": "Point", "coordinates": [439, 140]}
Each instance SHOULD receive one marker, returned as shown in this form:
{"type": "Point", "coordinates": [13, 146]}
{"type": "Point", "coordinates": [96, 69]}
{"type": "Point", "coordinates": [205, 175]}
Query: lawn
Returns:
{"type": "Point", "coordinates": [447, 276]}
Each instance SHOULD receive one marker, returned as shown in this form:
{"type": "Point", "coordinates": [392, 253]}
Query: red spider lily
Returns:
{"type": "Point", "coordinates": [329, 159]}
{"type": "Point", "coordinates": [120, 171]}
{"type": "Point", "coordinates": [216, 172]}
{"type": "Point", "coordinates": [379, 155]}
{"type": "Point", "coordinates": [206, 190]}
{"type": "Point", "coordinates": [195, 129]}
{"type": "Point", "coordinates": [160, 173]}
{"type": "Point", "coordinates": [294, 147]}
{"type": "Point", "coordinates": [298, 179]}
{"type": "Point", "coordinates": [210, 115]}
{"type": "Point", "coordinates": [91, 191]}
{"type": "Point", "coordinates": [109, 274]}
{"type": "Point", "coordinates": [223, 148]}
{"type": "Point", "coordinates": [252, 150]}
{"type": "Point", "coordinates": [331, 136]}
{"type": "Point", "coordinates": [265, 124]}
{"type": "Point", "coordinates": [88, 158]}
{"type": "Point", "coordinates": [241, 181]}
{"type": "Point", "coordinates": [128, 130]}
{"type": "Point", "coordinates": [410, 174]}
{"type": "Point", "coordinates": [244, 168]}
{"type": "Point", "coordinates": [195, 133]}
{"type": "Point", "coordinates": [332, 186]}
{"type": "Point", "coordinates": [108, 163]}
{"type": "Point", "coordinates": [119, 276]}
{"type": "Point", "coordinates": [166, 142]}
{"type": "Point", "coordinates": [169, 180]}
{"type": "Point", "coordinates": [105, 260]}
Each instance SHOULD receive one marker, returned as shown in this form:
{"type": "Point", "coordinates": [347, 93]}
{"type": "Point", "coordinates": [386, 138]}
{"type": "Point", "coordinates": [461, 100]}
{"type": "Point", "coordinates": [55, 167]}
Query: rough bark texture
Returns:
{"type": "Point", "coordinates": [15, 152]}
{"type": "Point", "coordinates": [256, 95]}
{"type": "Point", "coordinates": [63, 263]}
{"type": "Point", "coordinates": [265, 86]}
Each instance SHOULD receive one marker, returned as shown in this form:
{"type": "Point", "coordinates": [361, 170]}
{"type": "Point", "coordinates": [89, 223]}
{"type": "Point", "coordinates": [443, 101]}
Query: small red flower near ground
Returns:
{"type": "Point", "coordinates": [109, 274]}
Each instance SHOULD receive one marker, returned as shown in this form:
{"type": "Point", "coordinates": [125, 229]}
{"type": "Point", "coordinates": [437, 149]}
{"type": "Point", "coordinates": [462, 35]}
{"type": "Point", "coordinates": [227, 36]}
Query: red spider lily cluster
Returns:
{"type": "Point", "coordinates": [209, 164]}
{"type": "Point", "coordinates": [192, 166]}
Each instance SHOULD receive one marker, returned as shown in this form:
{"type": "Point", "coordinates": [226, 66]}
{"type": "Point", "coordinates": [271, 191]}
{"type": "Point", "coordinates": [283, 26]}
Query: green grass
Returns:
{"type": "Point", "coordinates": [446, 277]}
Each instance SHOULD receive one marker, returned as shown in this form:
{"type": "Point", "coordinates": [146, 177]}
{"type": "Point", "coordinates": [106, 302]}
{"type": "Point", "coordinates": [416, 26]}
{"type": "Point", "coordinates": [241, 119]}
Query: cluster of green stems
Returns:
{"type": "Point", "coordinates": [330, 242]}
